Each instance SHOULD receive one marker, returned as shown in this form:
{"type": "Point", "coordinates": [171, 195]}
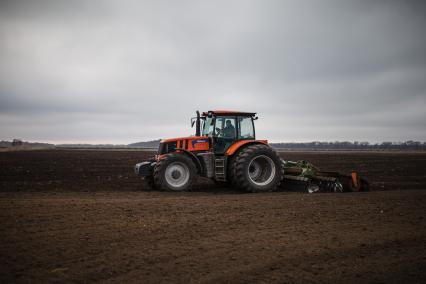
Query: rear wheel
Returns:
{"type": "Point", "coordinates": [257, 168]}
{"type": "Point", "coordinates": [174, 172]}
{"type": "Point", "coordinates": [231, 171]}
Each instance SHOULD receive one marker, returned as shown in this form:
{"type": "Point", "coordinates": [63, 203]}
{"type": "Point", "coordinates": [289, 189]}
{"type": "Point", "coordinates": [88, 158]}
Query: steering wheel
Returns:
{"type": "Point", "coordinates": [219, 131]}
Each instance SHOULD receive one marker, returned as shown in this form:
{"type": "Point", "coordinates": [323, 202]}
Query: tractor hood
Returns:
{"type": "Point", "coordinates": [191, 143]}
{"type": "Point", "coordinates": [183, 138]}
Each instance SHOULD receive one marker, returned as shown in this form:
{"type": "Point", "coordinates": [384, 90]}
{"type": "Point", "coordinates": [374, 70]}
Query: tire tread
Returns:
{"type": "Point", "coordinates": [241, 161]}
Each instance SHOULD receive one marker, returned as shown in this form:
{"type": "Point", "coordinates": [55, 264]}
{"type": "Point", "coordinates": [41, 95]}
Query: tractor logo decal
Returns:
{"type": "Point", "coordinates": [198, 141]}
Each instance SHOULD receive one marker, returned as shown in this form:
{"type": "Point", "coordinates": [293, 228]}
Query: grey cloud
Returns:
{"type": "Point", "coordinates": [123, 71]}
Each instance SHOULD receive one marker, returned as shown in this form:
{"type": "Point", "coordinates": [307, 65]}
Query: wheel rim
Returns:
{"type": "Point", "coordinates": [261, 170]}
{"type": "Point", "coordinates": [177, 174]}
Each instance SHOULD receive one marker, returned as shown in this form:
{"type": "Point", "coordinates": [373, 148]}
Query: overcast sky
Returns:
{"type": "Point", "coordinates": [128, 71]}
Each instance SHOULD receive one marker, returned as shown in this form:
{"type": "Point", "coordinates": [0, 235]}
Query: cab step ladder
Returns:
{"type": "Point", "coordinates": [219, 169]}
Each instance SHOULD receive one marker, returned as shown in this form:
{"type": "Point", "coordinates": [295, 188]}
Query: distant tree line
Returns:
{"type": "Point", "coordinates": [409, 145]}
{"type": "Point", "coordinates": [19, 143]}
{"type": "Point", "coordinates": [356, 145]}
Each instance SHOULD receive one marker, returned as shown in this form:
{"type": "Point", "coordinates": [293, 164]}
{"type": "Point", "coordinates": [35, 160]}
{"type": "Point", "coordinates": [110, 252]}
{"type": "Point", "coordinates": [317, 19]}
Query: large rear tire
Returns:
{"type": "Point", "coordinates": [231, 171]}
{"type": "Point", "coordinates": [174, 172]}
{"type": "Point", "coordinates": [257, 168]}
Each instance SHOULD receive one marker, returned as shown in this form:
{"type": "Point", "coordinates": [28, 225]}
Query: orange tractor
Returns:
{"type": "Point", "coordinates": [224, 148]}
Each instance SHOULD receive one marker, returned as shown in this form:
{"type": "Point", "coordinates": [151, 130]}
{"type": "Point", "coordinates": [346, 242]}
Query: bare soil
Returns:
{"type": "Point", "coordinates": [74, 170]}
{"type": "Point", "coordinates": [82, 216]}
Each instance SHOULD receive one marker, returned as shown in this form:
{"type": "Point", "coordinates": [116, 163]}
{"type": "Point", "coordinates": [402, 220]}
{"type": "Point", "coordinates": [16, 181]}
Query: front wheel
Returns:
{"type": "Point", "coordinates": [174, 172]}
{"type": "Point", "coordinates": [257, 168]}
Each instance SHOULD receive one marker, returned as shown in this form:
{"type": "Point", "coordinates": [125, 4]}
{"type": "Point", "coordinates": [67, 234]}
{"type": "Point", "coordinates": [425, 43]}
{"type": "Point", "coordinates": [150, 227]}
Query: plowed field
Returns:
{"type": "Point", "coordinates": [82, 216]}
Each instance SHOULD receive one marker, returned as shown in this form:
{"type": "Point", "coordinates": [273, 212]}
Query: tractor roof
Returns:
{"type": "Point", "coordinates": [228, 112]}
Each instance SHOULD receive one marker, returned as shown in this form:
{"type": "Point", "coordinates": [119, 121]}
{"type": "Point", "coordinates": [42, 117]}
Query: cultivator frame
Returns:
{"type": "Point", "coordinates": [305, 177]}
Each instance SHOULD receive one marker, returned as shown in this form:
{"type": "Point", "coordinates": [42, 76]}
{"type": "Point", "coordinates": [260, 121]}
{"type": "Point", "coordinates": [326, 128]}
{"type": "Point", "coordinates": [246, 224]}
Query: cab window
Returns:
{"type": "Point", "coordinates": [208, 127]}
{"type": "Point", "coordinates": [245, 129]}
{"type": "Point", "coordinates": [225, 127]}
{"type": "Point", "coordinates": [225, 133]}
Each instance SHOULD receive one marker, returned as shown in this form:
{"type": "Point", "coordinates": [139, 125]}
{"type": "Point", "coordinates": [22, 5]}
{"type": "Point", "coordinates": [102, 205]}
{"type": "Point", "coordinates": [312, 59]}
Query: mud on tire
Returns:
{"type": "Point", "coordinates": [231, 171]}
{"type": "Point", "coordinates": [174, 172]}
{"type": "Point", "coordinates": [257, 168]}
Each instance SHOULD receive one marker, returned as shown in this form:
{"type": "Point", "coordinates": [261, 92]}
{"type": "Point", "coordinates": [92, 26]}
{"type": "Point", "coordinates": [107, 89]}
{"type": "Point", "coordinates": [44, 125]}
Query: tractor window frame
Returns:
{"type": "Point", "coordinates": [208, 122]}
{"type": "Point", "coordinates": [239, 119]}
{"type": "Point", "coordinates": [225, 117]}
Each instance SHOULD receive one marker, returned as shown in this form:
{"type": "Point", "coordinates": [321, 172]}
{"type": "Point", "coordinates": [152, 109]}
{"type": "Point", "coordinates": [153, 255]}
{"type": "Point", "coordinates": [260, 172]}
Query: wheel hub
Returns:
{"type": "Point", "coordinates": [261, 170]}
{"type": "Point", "coordinates": [177, 174]}
{"type": "Point", "coordinates": [255, 170]}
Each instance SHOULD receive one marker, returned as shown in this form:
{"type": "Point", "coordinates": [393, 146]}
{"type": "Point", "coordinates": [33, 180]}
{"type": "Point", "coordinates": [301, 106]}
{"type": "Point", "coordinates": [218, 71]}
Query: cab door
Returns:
{"type": "Point", "coordinates": [224, 134]}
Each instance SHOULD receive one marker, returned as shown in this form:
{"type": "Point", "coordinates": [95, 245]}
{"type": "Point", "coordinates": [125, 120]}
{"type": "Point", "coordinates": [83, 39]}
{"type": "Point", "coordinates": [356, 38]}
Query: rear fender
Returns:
{"type": "Point", "coordinates": [243, 143]}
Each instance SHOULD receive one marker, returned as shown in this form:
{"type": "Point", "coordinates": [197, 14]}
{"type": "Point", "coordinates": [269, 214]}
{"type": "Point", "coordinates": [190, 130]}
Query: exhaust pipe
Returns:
{"type": "Point", "coordinates": [198, 125]}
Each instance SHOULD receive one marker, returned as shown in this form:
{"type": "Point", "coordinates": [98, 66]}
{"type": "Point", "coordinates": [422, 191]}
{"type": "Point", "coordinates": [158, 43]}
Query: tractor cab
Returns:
{"type": "Point", "coordinates": [225, 128]}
